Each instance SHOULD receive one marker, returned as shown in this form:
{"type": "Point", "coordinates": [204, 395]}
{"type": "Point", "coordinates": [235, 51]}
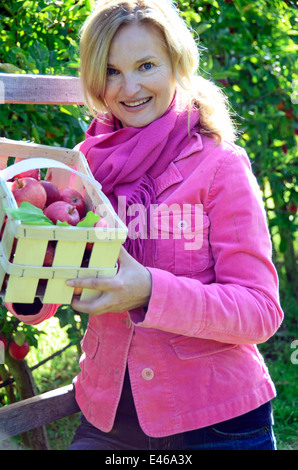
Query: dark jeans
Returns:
{"type": "Point", "coordinates": [252, 431]}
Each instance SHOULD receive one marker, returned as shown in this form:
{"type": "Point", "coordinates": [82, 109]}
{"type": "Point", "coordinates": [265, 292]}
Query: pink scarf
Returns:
{"type": "Point", "coordinates": [127, 160]}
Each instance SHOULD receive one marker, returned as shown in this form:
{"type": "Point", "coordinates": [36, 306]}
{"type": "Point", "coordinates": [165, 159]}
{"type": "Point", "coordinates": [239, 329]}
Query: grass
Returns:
{"type": "Point", "coordinates": [61, 369]}
{"type": "Point", "coordinates": [281, 360]}
{"type": "Point", "coordinates": [285, 404]}
{"type": "Point", "coordinates": [55, 373]}
{"type": "Point", "coordinates": [58, 372]}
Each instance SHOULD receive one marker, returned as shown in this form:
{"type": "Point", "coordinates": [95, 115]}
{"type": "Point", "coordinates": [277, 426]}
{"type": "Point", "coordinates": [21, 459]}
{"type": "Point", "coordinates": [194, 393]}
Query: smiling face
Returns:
{"type": "Point", "coordinates": [140, 81]}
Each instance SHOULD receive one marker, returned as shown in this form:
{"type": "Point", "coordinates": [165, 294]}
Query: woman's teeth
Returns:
{"type": "Point", "coordinates": [136, 103]}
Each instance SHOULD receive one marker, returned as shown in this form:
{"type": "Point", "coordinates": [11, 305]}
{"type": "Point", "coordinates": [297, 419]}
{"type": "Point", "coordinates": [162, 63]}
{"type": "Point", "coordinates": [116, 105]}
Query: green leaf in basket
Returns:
{"type": "Point", "coordinates": [89, 220]}
{"type": "Point", "coordinates": [63, 224]}
{"type": "Point", "coordinates": [29, 214]}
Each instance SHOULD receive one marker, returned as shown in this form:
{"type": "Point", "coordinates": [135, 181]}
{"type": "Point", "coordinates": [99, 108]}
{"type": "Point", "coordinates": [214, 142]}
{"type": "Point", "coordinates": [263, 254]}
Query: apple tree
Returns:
{"type": "Point", "coordinates": [17, 339]}
{"type": "Point", "coordinates": [249, 48]}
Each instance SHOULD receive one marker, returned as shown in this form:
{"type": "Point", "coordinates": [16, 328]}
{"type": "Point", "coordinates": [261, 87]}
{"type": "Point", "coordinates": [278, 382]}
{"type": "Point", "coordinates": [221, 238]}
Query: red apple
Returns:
{"type": "Point", "coordinates": [3, 227]}
{"type": "Point", "coordinates": [52, 191]}
{"type": "Point", "coordinates": [4, 341]}
{"type": "Point", "coordinates": [292, 208]}
{"type": "Point", "coordinates": [77, 291]}
{"type": "Point", "coordinates": [35, 173]}
{"type": "Point", "coordinates": [30, 190]}
{"type": "Point", "coordinates": [289, 113]}
{"type": "Point", "coordinates": [224, 82]}
{"type": "Point", "coordinates": [61, 210]}
{"type": "Point", "coordinates": [49, 256]}
{"type": "Point", "coordinates": [75, 198]}
{"type": "Point", "coordinates": [15, 240]}
{"type": "Point", "coordinates": [4, 283]}
{"type": "Point", "coordinates": [28, 174]}
{"type": "Point", "coordinates": [18, 352]}
{"type": "Point", "coordinates": [101, 223]}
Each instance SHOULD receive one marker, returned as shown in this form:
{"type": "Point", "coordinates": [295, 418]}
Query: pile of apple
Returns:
{"type": "Point", "coordinates": [66, 205]}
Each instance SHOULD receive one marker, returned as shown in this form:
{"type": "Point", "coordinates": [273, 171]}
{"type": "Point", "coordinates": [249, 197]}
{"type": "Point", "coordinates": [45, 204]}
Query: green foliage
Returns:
{"type": "Point", "coordinates": [9, 326]}
{"type": "Point", "coordinates": [75, 323]}
{"type": "Point", "coordinates": [250, 49]}
{"type": "Point", "coordinates": [42, 38]}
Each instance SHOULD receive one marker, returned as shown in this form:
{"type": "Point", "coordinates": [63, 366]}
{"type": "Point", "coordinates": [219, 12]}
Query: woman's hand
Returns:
{"type": "Point", "coordinates": [130, 288]}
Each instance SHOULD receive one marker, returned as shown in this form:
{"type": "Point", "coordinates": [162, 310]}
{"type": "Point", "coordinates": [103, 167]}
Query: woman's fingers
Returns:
{"type": "Point", "coordinates": [103, 283]}
{"type": "Point", "coordinates": [130, 288]}
{"type": "Point", "coordinates": [95, 283]}
{"type": "Point", "coordinates": [94, 307]}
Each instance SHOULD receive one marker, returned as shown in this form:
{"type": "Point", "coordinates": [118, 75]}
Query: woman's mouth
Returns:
{"type": "Point", "coordinates": [136, 104]}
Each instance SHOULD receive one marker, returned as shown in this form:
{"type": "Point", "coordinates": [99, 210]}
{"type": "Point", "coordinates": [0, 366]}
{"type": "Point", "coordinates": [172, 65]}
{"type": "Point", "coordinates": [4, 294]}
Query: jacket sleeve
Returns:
{"type": "Point", "coordinates": [242, 304]}
{"type": "Point", "coordinates": [32, 314]}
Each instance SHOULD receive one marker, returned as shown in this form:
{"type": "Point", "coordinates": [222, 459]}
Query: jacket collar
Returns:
{"type": "Point", "coordinates": [172, 175]}
{"type": "Point", "coordinates": [169, 177]}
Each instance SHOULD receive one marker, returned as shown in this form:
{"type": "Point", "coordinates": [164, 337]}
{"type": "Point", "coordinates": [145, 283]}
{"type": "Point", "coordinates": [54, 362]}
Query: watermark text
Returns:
{"type": "Point", "coordinates": [160, 222]}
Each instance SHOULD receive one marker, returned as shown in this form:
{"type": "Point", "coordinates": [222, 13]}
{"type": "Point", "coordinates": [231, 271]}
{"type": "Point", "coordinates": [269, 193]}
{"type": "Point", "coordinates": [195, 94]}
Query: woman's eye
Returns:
{"type": "Point", "coordinates": [111, 72]}
{"type": "Point", "coordinates": [147, 66]}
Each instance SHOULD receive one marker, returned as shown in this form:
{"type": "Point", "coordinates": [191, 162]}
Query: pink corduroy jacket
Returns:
{"type": "Point", "coordinates": [192, 354]}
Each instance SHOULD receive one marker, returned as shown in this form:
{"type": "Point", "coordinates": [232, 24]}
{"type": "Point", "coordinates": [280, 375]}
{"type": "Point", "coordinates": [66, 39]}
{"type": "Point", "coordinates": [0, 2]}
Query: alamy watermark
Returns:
{"type": "Point", "coordinates": [160, 221]}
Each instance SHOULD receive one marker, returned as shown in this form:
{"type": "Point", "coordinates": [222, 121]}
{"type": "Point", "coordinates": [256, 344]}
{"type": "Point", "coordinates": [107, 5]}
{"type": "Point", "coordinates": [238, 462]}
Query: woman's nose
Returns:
{"type": "Point", "coordinates": [130, 86]}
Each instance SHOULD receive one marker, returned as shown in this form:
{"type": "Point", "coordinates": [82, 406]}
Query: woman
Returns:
{"type": "Point", "coordinates": [170, 358]}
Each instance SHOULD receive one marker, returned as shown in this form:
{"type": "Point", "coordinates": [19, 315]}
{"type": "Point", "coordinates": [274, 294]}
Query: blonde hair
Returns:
{"type": "Point", "coordinates": [96, 36]}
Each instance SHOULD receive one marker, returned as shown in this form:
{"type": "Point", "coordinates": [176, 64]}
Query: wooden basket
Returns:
{"type": "Point", "coordinates": [22, 247]}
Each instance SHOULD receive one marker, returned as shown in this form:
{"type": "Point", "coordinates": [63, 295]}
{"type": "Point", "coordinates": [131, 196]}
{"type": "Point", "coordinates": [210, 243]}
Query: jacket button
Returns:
{"type": "Point", "coordinates": [147, 374]}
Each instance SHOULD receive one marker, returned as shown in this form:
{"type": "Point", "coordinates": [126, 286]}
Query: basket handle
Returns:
{"type": "Point", "coordinates": [38, 163]}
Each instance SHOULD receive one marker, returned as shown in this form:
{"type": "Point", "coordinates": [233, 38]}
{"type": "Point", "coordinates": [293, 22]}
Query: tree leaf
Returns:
{"type": "Point", "coordinates": [89, 220]}
{"type": "Point", "coordinates": [10, 68]}
{"type": "Point", "coordinates": [63, 224]}
{"type": "Point", "coordinates": [29, 214]}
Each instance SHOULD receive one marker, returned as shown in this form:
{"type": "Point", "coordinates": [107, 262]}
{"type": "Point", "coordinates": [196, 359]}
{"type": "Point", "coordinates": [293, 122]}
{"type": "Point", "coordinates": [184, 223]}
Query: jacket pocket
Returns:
{"type": "Point", "coordinates": [182, 238]}
{"type": "Point", "coordinates": [90, 343]}
{"type": "Point", "coordinates": [192, 348]}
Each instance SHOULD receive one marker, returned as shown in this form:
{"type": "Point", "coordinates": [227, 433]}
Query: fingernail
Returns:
{"type": "Point", "coordinates": [70, 283]}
